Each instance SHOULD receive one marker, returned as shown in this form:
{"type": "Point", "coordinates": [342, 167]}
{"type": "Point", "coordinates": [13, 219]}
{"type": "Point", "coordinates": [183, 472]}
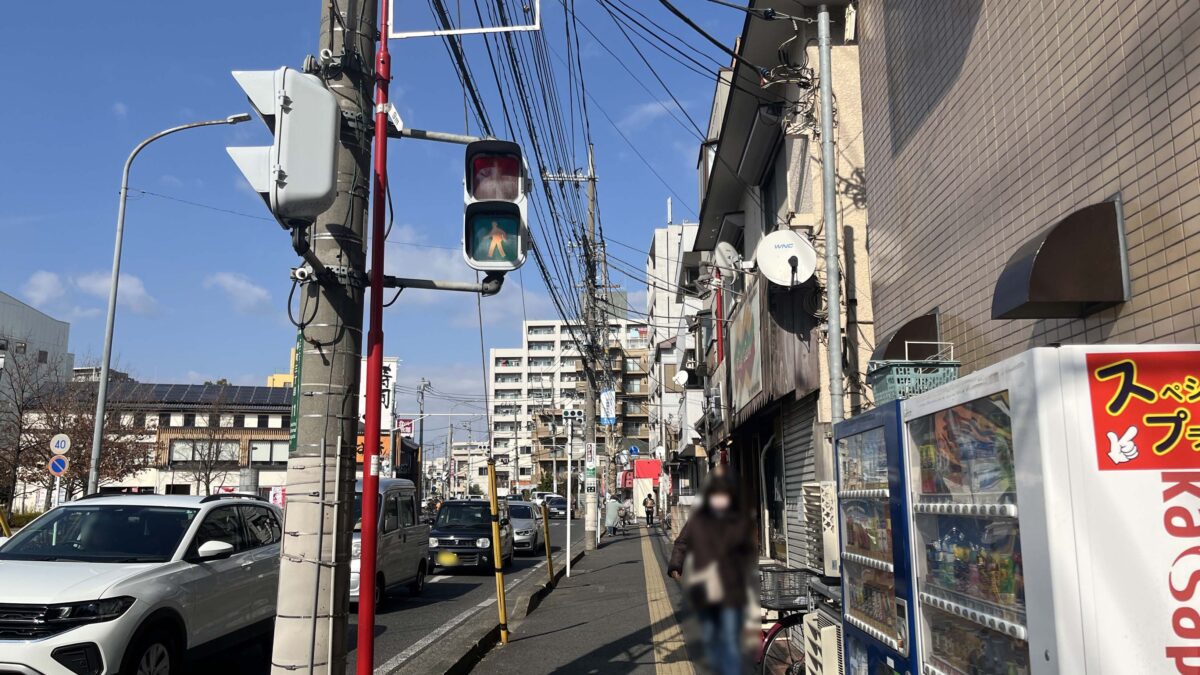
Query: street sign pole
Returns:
{"type": "Point", "coordinates": [60, 444]}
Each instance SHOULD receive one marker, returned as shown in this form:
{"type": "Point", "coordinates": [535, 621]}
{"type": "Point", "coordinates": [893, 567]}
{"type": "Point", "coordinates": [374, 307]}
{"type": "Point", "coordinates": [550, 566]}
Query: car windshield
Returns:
{"type": "Point", "coordinates": [558, 501]}
{"type": "Point", "coordinates": [463, 514]}
{"type": "Point", "coordinates": [358, 511]}
{"type": "Point", "coordinates": [105, 533]}
{"type": "Point", "coordinates": [521, 511]}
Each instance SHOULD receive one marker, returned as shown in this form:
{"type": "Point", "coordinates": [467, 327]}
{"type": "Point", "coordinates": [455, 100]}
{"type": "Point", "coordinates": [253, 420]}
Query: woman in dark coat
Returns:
{"type": "Point", "coordinates": [717, 548]}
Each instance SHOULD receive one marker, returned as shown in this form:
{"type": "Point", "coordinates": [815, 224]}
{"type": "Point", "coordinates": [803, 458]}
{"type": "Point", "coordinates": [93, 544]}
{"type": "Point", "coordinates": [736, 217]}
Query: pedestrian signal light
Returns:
{"type": "Point", "coordinates": [297, 174]}
{"type": "Point", "coordinates": [495, 236]}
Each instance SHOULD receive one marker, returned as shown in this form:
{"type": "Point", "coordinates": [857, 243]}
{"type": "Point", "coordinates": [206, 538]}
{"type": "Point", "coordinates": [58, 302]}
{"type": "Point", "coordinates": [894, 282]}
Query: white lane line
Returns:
{"type": "Point", "coordinates": [398, 660]}
{"type": "Point", "coordinates": [436, 578]}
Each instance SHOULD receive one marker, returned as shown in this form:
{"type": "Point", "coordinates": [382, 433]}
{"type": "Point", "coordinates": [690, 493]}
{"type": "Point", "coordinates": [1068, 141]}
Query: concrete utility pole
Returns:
{"type": "Point", "coordinates": [420, 440]}
{"type": "Point", "coordinates": [597, 337]}
{"type": "Point", "coordinates": [833, 280]}
{"type": "Point", "coordinates": [314, 574]}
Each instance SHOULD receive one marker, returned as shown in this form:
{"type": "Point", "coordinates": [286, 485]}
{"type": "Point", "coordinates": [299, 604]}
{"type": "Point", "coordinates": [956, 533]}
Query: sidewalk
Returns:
{"type": "Point", "coordinates": [617, 613]}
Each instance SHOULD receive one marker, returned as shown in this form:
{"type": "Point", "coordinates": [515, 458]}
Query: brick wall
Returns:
{"type": "Point", "coordinates": [987, 121]}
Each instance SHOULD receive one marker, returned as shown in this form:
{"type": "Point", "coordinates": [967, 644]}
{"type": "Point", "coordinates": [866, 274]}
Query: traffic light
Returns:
{"type": "Point", "coordinates": [495, 237]}
{"type": "Point", "coordinates": [297, 175]}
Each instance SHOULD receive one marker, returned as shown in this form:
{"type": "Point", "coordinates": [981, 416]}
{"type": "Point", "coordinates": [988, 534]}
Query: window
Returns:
{"type": "Point", "coordinates": [19, 348]}
{"type": "Point", "coordinates": [541, 346]}
{"type": "Point", "coordinates": [189, 419]}
{"type": "Point", "coordinates": [262, 421]}
{"type": "Point", "coordinates": [183, 450]}
{"type": "Point", "coordinates": [43, 356]}
{"type": "Point", "coordinates": [3, 344]}
{"type": "Point", "coordinates": [268, 452]}
{"type": "Point", "coordinates": [239, 421]}
{"type": "Point", "coordinates": [408, 511]}
{"type": "Point", "coordinates": [541, 362]}
{"type": "Point", "coordinates": [391, 514]}
{"type": "Point", "coordinates": [151, 421]}
{"type": "Point", "coordinates": [526, 450]}
{"type": "Point", "coordinates": [526, 471]}
{"type": "Point", "coordinates": [508, 362]}
{"type": "Point", "coordinates": [226, 421]}
{"type": "Point", "coordinates": [262, 527]}
{"type": "Point", "coordinates": [483, 471]}
{"type": "Point", "coordinates": [221, 524]}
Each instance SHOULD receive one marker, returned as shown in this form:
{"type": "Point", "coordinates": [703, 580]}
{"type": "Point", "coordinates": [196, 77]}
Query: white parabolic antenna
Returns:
{"type": "Point", "coordinates": [726, 256]}
{"type": "Point", "coordinates": [786, 258]}
{"type": "Point", "coordinates": [680, 378]}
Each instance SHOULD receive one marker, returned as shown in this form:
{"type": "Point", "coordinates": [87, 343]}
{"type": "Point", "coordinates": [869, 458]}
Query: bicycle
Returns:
{"type": "Point", "coordinates": [781, 651]}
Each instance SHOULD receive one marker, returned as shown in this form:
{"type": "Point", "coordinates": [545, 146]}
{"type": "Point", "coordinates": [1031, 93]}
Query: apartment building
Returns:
{"type": "Point", "coordinates": [530, 385]}
{"type": "Point", "coordinates": [466, 469]}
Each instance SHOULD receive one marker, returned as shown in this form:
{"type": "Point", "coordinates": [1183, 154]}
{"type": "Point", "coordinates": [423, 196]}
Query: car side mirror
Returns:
{"type": "Point", "coordinates": [214, 550]}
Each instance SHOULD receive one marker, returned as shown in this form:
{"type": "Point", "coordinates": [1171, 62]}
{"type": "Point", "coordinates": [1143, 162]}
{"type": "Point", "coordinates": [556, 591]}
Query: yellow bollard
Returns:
{"type": "Point", "coordinates": [497, 552]}
{"type": "Point", "coordinates": [8, 533]}
{"type": "Point", "coordinates": [546, 537]}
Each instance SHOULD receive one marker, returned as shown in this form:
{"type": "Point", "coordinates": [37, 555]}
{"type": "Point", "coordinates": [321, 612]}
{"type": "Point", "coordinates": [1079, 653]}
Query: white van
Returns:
{"type": "Point", "coordinates": [402, 550]}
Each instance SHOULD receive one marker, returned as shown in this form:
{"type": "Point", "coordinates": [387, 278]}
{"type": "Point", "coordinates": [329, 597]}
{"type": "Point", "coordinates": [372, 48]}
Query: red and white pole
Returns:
{"type": "Point", "coordinates": [365, 658]}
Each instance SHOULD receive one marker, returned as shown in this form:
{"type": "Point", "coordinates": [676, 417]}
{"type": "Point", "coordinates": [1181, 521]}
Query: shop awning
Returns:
{"type": "Point", "coordinates": [914, 341]}
{"type": "Point", "coordinates": [1074, 268]}
{"type": "Point", "coordinates": [692, 450]}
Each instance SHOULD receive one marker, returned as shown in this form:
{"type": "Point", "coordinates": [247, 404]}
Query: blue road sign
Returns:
{"type": "Point", "coordinates": [634, 450]}
{"type": "Point", "coordinates": [58, 465]}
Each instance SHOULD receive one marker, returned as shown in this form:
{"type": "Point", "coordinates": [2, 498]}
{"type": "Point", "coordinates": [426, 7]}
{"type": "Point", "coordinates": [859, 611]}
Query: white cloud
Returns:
{"type": "Point", "coordinates": [131, 292]}
{"type": "Point", "coordinates": [78, 313]}
{"type": "Point", "coordinates": [642, 115]}
{"type": "Point", "coordinates": [42, 287]}
{"type": "Point", "coordinates": [171, 180]}
{"type": "Point", "coordinates": [246, 296]}
{"type": "Point", "coordinates": [120, 110]}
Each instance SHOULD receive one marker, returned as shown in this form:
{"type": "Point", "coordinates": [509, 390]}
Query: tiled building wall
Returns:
{"type": "Point", "coordinates": [987, 121]}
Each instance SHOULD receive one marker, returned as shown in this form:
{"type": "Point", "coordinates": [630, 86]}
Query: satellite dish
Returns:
{"type": "Point", "coordinates": [681, 378]}
{"type": "Point", "coordinates": [727, 257]}
{"type": "Point", "coordinates": [786, 258]}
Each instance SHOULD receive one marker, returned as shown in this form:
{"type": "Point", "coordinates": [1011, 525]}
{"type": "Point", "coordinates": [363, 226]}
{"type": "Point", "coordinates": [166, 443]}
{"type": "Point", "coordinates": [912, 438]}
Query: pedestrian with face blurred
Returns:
{"type": "Point", "coordinates": [714, 557]}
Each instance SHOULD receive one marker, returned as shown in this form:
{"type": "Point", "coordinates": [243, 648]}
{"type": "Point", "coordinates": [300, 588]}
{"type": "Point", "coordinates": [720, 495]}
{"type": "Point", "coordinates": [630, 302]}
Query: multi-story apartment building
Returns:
{"type": "Point", "coordinates": [530, 385]}
{"type": "Point", "coordinates": [467, 469]}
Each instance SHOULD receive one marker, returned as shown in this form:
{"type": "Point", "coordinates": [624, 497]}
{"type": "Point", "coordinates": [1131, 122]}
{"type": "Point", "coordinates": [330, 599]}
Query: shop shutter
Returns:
{"type": "Point", "coordinates": [799, 467]}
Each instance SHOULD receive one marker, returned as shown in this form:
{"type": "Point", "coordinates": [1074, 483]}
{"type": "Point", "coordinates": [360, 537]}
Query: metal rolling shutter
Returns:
{"type": "Point", "coordinates": [799, 467]}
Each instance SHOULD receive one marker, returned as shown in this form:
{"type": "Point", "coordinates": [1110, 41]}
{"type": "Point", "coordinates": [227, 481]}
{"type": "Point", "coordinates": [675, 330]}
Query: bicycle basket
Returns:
{"type": "Point", "coordinates": [783, 588]}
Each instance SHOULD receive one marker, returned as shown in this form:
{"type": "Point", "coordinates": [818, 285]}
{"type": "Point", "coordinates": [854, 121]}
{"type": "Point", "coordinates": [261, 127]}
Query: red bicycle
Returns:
{"type": "Point", "coordinates": [781, 651]}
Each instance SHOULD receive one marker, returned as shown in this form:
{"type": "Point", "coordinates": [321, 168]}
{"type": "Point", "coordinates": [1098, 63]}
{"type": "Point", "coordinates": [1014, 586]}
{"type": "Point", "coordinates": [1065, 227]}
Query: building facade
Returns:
{"type": "Point", "coordinates": [529, 387]}
{"type": "Point", "coordinates": [758, 350]}
{"type": "Point", "coordinates": [1054, 201]}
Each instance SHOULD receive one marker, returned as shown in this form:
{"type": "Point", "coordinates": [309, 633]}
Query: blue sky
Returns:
{"type": "Point", "coordinates": [204, 291]}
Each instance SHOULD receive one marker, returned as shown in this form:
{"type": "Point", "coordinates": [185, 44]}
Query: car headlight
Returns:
{"type": "Point", "coordinates": [356, 549]}
{"type": "Point", "coordinates": [483, 542]}
{"type": "Point", "coordinates": [434, 543]}
{"type": "Point", "coordinates": [93, 611]}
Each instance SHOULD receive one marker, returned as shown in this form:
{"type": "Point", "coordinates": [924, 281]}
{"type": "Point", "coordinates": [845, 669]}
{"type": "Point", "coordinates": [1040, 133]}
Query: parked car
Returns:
{"type": "Point", "coordinates": [557, 506]}
{"type": "Point", "coordinates": [539, 497]}
{"type": "Point", "coordinates": [132, 583]}
{"type": "Point", "coordinates": [403, 541]}
{"type": "Point", "coordinates": [526, 519]}
{"type": "Point", "coordinates": [462, 536]}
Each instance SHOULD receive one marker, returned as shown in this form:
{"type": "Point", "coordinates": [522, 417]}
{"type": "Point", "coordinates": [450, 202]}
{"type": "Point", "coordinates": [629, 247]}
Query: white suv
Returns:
{"type": "Point", "coordinates": [129, 584]}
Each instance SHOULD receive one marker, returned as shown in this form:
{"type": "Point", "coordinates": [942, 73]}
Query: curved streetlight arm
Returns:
{"type": "Point", "coordinates": [93, 485]}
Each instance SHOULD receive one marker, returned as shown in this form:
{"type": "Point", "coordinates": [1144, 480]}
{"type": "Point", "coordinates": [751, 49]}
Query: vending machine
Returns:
{"type": "Point", "coordinates": [877, 598]}
{"type": "Point", "coordinates": [1055, 523]}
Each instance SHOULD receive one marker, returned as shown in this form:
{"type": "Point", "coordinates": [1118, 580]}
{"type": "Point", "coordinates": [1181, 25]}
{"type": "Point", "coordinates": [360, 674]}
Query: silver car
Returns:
{"type": "Point", "coordinates": [526, 518]}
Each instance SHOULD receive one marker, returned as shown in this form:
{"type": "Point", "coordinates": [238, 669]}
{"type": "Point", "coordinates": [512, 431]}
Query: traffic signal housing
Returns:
{"type": "Point", "coordinates": [297, 174]}
{"type": "Point", "coordinates": [495, 233]}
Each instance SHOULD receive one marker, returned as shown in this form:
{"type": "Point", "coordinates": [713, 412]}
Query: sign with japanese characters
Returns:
{"type": "Point", "coordinates": [1145, 409]}
{"type": "Point", "coordinates": [391, 366]}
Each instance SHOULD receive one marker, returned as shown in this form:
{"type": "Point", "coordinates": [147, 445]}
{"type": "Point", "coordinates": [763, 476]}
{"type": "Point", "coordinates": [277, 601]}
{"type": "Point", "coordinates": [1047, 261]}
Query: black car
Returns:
{"type": "Point", "coordinates": [462, 535]}
{"type": "Point", "coordinates": [557, 506]}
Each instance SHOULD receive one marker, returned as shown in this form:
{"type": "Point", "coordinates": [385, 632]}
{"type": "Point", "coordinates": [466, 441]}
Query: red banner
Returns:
{"type": "Point", "coordinates": [1145, 410]}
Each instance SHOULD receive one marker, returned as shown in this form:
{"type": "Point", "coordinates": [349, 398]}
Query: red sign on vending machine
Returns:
{"type": "Point", "coordinates": [1145, 410]}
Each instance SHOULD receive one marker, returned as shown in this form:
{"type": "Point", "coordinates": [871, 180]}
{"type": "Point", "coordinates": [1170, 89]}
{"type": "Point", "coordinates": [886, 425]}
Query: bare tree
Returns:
{"type": "Point", "coordinates": [70, 408]}
{"type": "Point", "coordinates": [209, 452]}
{"type": "Point", "coordinates": [24, 378]}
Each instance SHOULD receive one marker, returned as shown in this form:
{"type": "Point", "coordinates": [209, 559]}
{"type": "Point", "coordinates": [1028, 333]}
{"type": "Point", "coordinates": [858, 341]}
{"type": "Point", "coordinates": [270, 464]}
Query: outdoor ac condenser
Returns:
{"type": "Point", "coordinates": [820, 516]}
{"type": "Point", "coordinates": [823, 644]}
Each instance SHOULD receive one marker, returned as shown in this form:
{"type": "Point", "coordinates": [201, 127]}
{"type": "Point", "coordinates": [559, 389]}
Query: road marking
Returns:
{"type": "Point", "coordinates": [436, 578]}
{"type": "Point", "coordinates": [415, 648]}
{"type": "Point", "coordinates": [670, 651]}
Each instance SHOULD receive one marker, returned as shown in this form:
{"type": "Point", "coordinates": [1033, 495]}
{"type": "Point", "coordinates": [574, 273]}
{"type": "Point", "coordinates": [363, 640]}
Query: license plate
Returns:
{"type": "Point", "coordinates": [447, 558]}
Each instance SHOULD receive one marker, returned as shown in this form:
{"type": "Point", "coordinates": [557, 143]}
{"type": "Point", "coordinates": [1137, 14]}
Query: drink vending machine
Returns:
{"type": "Point", "coordinates": [1055, 515]}
{"type": "Point", "coordinates": [877, 597]}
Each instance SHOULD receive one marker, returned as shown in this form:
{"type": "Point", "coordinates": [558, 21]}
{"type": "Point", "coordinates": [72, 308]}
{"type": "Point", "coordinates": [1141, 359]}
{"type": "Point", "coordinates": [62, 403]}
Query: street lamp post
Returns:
{"type": "Point", "coordinates": [102, 395]}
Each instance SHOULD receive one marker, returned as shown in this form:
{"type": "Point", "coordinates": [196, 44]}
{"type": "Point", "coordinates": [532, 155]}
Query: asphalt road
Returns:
{"type": "Point", "coordinates": [405, 625]}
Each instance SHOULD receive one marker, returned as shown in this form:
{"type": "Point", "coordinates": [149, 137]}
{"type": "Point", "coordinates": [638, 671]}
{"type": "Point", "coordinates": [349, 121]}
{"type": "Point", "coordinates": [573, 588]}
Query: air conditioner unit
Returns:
{"type": "Point", "coordinates": [823, 644]}
{"type": "Point", "coordinates": [820, 518]}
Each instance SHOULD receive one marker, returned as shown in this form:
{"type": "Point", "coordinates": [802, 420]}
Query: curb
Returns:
{"type": "Point", "coordinates": [481, 633]}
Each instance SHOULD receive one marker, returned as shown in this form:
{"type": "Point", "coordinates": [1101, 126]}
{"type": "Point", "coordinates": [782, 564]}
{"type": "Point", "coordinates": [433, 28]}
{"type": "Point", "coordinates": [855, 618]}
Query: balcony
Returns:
{"type": "Point", "coordinates": [635, 410]}
{"type": "Point", "coordinates": [502, 364]}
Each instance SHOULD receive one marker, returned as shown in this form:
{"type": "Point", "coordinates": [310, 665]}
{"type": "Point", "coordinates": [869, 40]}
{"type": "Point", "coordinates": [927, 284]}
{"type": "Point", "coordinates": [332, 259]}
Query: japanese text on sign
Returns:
{"type": "Point", "coordinates": [1145, 409]}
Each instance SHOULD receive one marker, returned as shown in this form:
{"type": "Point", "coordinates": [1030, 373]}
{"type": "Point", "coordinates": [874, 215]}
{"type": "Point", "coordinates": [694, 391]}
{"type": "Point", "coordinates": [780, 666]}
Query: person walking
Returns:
{"type": "Point", "coordinates": [715, 556]}
{"type": "Point", "coordinates": [648, 504]}
{"type": "Point", "coordinates": [611, 509]}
